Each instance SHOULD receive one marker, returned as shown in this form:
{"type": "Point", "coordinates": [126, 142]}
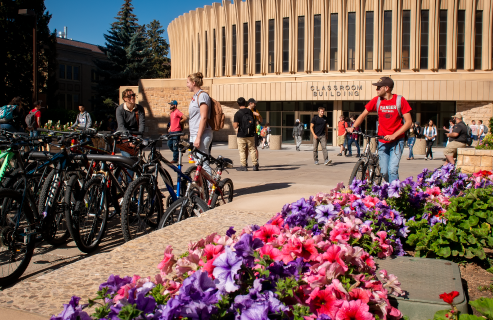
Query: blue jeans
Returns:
{"type": "Point", "coordinates": [410, 142]}
{"type": "Point", "coordinates": [390, 155]}
{"type": "Point", "coordinates": [34, 133]}
{"type": "Point", "coordinates": [173, 145]}
{"type": "Point", "coordinates": [475, 137]}
{"type": "Point", "coordinates": [350, 143]}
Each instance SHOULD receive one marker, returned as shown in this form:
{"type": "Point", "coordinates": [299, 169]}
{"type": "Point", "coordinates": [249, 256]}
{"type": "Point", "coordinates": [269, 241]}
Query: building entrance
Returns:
{"type": "Point", "coordinates": [306, 119]}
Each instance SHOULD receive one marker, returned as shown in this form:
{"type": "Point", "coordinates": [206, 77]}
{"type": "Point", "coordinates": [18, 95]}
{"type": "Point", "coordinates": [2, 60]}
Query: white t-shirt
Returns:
{"type": "Point", "coordinates": [474, 129]}
{"type": "Point", "coordinates": [194, 112]}
{"type": "Point", "coordinates": [481, 129]}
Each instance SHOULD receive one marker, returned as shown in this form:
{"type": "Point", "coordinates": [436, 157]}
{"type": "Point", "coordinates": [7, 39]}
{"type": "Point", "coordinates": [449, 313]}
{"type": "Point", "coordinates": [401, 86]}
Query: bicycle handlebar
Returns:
{"type": "Point", "coordinates": [228, 163]}
{"type": "Point", "coordinates": [367, 135]}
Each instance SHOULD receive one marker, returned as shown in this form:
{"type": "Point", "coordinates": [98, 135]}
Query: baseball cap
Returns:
{"type": "Point", "coordinates": [297, 120]}
{"type": "Point", "coordinates": [251, 100]}
{"type": "Point", "coordinates": [173, 103]}
{"type": "Point", "coordinates": [458, 116]}
{"type": "Point", "coordinates": [384, 82]}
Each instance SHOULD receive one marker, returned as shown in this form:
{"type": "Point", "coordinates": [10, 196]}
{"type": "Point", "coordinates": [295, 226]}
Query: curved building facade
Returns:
{"type": "Point", "coordinates": [293, 56]}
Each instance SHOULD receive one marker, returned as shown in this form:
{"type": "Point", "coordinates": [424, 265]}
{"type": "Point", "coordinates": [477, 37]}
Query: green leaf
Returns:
{"type": "Point", "coordinates": [464, 316]}
{"type": "Point", "coordinates": [469, 254]}
{"type": "Point", "coordinates": [440, 315]}
{"type": "Point", "coordinates": [471, 239]}
{"type": "Point", "coordinates": [450, 234]}
{"type": "Point", "coordinates": [129, 312]}
{"type": "Point", "coordinates": [444, 252]}
{"type": "Point", "coordinates": [484, 306]}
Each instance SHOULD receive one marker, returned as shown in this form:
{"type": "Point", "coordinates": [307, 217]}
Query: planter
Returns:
{"type": "Point", "coordinates": [470, 160]}
{"type": "Point", "coordinates": [232, 142]}
{"type": "Point", "coordinates": [275, 142]}
{"type": "Point", "coordinates": [419, 147]}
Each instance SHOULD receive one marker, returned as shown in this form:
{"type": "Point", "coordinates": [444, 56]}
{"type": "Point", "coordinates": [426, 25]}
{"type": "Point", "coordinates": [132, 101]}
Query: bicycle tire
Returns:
{"type": "Point", "coordinates": [134, 223]}
{"type": "Point", "coordinates": [377, 175]}
{"type": "Point", "coordinates": [194, 205]}
{"type": "Point", "coordinates": [225, 184]}
{"type": "Point", "coordinates": [191, 171]}
{"type": "Point", "coordinates": [54, 222]}
{"type": "Point", "coordinates": [358, 172]}
{"type": "Point", "coordinates": [88, 239]}
{"type": "Point", "coordinates": [26, 223]}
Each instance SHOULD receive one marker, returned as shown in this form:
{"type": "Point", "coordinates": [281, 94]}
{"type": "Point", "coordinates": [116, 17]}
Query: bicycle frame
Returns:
{"type": "Point", "coordinates": [214, 181]}
{"type": "Point", "coordinates": [7, 155]}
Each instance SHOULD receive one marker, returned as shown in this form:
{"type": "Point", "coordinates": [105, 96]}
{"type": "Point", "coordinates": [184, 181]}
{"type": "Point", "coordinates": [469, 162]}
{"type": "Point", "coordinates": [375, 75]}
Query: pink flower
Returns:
{"type": "Point", "coordinates": [340, 233]}
{"type": "Point", "coordinates": [267, 233]}
{"type": "Point", "coordinates": [212, 251]}
{"type": "Point", "coordinates": [391, 283]}
{"type": "Point", "coordinates": [435, 191]}
{"type": "Point", "coordinates": [277, 221]}
{"type": "Point", "coordinates": [360, 294]}
{"type": "Point", "coordinates": [384, 245]}
{"type": "Point", "coordinates": [166, 265]}
{"type": "Point", "coordinates": [333, 254]}
{"type": "Point", "coordinates": [273, 253]}
{"type": "Point", "coordinates": [354, 310]}
{"type": "Point", "coordinates": [370, 202]}
{"type": "Point", "coordinates": [323, 302]}
{"type": "Point", "coordinates": [296, 248]}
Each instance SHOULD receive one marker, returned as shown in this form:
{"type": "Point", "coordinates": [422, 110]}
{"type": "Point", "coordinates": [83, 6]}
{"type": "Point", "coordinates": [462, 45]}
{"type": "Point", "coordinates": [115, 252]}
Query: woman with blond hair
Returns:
{"type": "Point", "coordinates": [199, 111]}
{"type": "Point", "coordinates": [430, 134]}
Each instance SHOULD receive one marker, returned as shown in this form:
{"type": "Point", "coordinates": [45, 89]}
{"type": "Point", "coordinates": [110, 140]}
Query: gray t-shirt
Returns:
{"type": "Point", "coordinates": [194, 112]}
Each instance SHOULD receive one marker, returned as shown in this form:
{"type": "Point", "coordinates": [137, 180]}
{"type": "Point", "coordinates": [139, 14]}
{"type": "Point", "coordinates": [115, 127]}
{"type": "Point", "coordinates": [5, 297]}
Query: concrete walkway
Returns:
{"type": "Point", "coordinates": [284, 177]}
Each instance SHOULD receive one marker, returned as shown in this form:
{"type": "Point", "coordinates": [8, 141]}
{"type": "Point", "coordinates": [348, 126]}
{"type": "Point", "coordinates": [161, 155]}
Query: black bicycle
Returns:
{"type": "Point", "coordinates": [367, 168]}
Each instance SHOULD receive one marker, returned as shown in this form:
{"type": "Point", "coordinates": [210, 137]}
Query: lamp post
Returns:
{"type": "Point", "coordinates": [31, 13]}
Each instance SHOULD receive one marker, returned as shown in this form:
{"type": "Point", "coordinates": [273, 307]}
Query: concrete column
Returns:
{"type": "Point", "coordinates": [275, 142]}
{"type": "Point", "coordinates": [419, 147]}
{"type": "Point", "coordinates": [232, 142]}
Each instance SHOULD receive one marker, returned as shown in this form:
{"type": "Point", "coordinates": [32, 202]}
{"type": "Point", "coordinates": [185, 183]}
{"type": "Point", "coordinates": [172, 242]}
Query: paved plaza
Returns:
{"type": "Point", "coordinates": [55, 274]}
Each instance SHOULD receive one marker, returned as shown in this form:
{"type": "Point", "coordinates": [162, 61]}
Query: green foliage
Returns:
{"type": "Point", "coordinates": [223, 307]}
{"type": "Point", "coordinates": [129, 312]}
{"type": "Point", "coordinates": [103, 309]}
{"type": "Point", "coordinates": [299, 312]}
{"type": "Point", "coordinates": [466, 233]}
{"type": "Point", "coordinates": [487, 142]}
{"type": "Point", "coordinates": [157, 294]}
{"type": "Point", "coordinates": [160, 64]}
{"type": "Point", "coordinates": [482, 305]}
{"type": "Point", "coordinates": [286, 287]}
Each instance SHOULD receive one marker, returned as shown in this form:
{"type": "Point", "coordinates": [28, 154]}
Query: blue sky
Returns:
{"type": "Point", "coordinates": [88, 20]}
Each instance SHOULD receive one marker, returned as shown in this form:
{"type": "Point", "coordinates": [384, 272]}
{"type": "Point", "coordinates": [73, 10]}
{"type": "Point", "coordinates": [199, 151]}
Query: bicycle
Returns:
{"type": "Point", "coordinates": [367, 168]}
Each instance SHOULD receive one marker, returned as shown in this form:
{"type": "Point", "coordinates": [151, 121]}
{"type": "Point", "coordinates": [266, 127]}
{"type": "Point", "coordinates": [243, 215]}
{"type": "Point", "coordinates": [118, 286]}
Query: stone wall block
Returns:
{"type": "Point", "coordinates": [484, 153]}
{"type": "Point", "coordinates": [472, 161]}
{"type": "Point", "coordinates": [467, 151]}
{"type": "Point", "coordinates": [460, 160]}
{"type": "Point", "coordinates": [467, 169]}
{"type": "Point", "coordinates": [486, 161]}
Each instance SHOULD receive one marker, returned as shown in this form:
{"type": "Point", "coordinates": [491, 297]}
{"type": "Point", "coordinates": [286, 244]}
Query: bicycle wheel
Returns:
{"type": "Point", "coordinates": [188, 207]}
{"type": "Point", "coordinates": [16, 244]}
{"type": "Point", "coordinates": [226, 188]}
{"type": "Point", "coordinates": [377, 175]}
{"type": "Point", "coordinates": [54, 225]}
{"type": "Point", "coordinates": [88, 220]}
{"type": "Point", "coordinates": [360, 172]}
{"type": "Point", "coordinates": [116, 197]}
{"type": "Point", "coordinates": [192, 172]}
{"type": "Point", "coordinates": [141, 212]}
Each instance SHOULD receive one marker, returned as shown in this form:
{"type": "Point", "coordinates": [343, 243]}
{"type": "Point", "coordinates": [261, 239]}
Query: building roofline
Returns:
{"type": "Point", "coordinates": [79, 44]}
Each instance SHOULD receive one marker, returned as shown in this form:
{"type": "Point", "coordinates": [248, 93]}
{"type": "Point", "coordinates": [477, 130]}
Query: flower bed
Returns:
{"type": "Point", "coordinates": [313, 260]}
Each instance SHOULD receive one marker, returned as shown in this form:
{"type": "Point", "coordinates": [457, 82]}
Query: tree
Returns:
{"type": "Point", "coordinates": [17, 52]}
{"type": "Point", "coordinates": [160, 65]}
{"type": "Point", "coordinates": [127, 53]}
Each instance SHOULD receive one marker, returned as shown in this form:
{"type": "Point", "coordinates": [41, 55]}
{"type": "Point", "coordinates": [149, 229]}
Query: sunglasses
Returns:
{"type": "Point", "coordinates": [131, 95]}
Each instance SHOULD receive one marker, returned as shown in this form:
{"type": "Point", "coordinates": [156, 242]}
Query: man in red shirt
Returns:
{"type": "Point", "coordinates": [341, 133]}
{"type": "Point", "coordinates": [176, 120]}
{"type": "Point", "coordinates": [391, 109]}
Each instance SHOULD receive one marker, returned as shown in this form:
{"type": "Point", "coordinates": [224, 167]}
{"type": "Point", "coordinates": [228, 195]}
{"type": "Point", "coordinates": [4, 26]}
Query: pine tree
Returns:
{"type": "Point", "coordinates": [160, 65]}
{"type": "Point", "coordinates": [127, 53]}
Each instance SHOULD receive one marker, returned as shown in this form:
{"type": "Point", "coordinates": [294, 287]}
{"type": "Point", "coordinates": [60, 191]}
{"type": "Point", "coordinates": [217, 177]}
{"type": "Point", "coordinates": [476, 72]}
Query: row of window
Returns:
{"type": "Point", "coordinates": [68, 100]}
{"type": "Point", "coordinates": [351, 42]}
{"type": "Point", "coordinates": [68, 72]}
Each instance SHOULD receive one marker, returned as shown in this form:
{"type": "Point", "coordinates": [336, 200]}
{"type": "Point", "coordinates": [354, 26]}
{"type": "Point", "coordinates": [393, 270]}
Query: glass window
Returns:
{"type": "Point", "coordinates": [61, 73]}
{"type": "Point", "coordinates": [206, 54]}
{"type": "Point", "coordinates": [387, 40]}
{"type": "Point", "coordinates": [214, 54]}
{"type": "Point", "coordinates": [288, 118]}
{"type": "Point", "coordinates": [461, 36]}
{"type": "Point", "coordinates": [69, 72]}
{"type": "Point", "coordinates": [275, 106]}
{"type": "Point", "coordinates": [275, 118]}
{"type": "Point", "coordinates": [271, 45]}
{"type": "Point", "coordinates": [287, 135]}
{"type": "Point", "coordinates": [317, 40]}
{"type": "Point", "coordinates": [301, 44]}
{"type": "Point", "coordinates": [69, 101]}
{"type": "Point", "coordinates": [442, 41]}
{"type": "Point", "coordinates": [261, 106]}
{"type": "Point", "coordinates": [76, 100]}
{"type": "Point", "coordinates": [245, 48]}
{"type": "Point", "coordinates": [285, 45]}
{"type": "Point", "coordinates": [333, 41]}
{"type": "Point", "coordinates": [369, 41]}
{"type": "Point", "coordinates": [288, 106]}
{"type": "Point", "coordinates": [425, 21]}
{"type": "Point", "coordinates": [223, 73]}
{"type": "Point", "coordinates": [351, 39]}
{"type": "Point", "coordinates": [234, 50]}
{"type": "Point", "coordinates": [198, 52]}
{"type": "Point", "coordinates": [406, 38]}
{"type": "Point", "coordinates": [76, 73]}
{"type": "Point", "coordinates": [257, 46]}
{"type": "Point", "coordinates": [61, 100]}
{"type": "Point", "coordinates": [478, 46]}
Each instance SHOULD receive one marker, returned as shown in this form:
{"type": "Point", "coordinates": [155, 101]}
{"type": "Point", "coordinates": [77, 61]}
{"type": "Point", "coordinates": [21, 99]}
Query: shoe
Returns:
{"type": "Point", "coordinates": [316, 162]}
{"type": "Point", "coordinates": [255, 167]}
{"type": "Point", "coordinates": [328, 162]}
{"type": "Point", "coordinates": [358, 156]}
{"type": "Point", "coordinates": [431, 159]}
{"type": "Point", "coordinates": [426, 158]}
{"type": "Point", "coordinates": [173, 161]}
{"type": "Point", "coordinates": [339, 154]}
{"type": "Point", "coordinates": [242, 168]}
{"type": "Point", "coordinates": [246, 165]}
{"type": "Point", "coordinates": [349, 155]}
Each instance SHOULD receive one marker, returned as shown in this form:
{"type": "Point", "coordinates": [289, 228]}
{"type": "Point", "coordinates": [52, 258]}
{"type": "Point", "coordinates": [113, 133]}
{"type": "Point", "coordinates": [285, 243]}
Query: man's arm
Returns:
{"type": "Point", "coordinates": [76, 122]}
{"type": "Point", "coordinates": [183, 118]}
{"type": "Point", "coordinates": [235, 125]}
{"type": "Point", "coordinates": [89, 121]}
{"type": "Point", "coordinates": [313, 132]}
{"type": "Point", "coordinates": [38, 120]}
{"type": "Point", "coordinates": [407, 124]}
{"type": "Point", "coordinates": [480, 131]}
{"type": "Point", "coordinates": [358, 121]}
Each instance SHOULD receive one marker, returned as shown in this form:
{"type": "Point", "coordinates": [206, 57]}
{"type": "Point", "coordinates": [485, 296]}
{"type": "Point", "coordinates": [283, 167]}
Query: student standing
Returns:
{"type": "Point", "coordinates": [430, 133]}
{"type": "Point", "coordinates": [176, 120]}
{"type": "Point", "coordinates": [297, 133]}
{"type": "Point", "coordinates": [244, 123]}
{"type": "Point", "coordinates": [318, 127]}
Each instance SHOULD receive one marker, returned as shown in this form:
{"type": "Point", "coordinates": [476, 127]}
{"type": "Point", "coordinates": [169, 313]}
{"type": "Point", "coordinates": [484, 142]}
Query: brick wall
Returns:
{"type": "Point", "coordinates": [470, 160]}
{"type": "Point", "coordinates": [477, 110]}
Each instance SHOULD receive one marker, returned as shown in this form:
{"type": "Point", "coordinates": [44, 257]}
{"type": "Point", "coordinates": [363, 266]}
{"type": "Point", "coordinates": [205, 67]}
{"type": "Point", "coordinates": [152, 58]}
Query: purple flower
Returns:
{"type": "Point", "coordinates": [246, 246]}
{"type": "Point", "coordinates": [143, 303]}
{"type": "Point", "coordinates": [231, 231]}
{"type": "Point", "coordinates": [256, 305]}
{"type": "Point", "coordinates": [403, 231]}
{"type": "Point", "coordinates": [286, 209]}
{"type": "Point", "coordinates": [394, 189]}
{"type": "Point", "coordinates": [114, 283]}
{"type": "Point", "coordinates": [300, 266]}
{"type": "Point", "coordinates": [254, 227]}
{"type": "Point", "coordinates": [301, 206]}
{"type": "Point", "coordinates": [326, 212]}
{"type": "Point", "coordinates": [226, 267]}
{"type": "Point", "coordinates": [360, 208]}
{"type": "Point", "coordinates": [72, 311]}
{"type": "Point", "coordinates": [324, 317]}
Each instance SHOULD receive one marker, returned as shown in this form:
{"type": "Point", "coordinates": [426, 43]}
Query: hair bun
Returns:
{"type": "Point", "coordinates": [199, 75]}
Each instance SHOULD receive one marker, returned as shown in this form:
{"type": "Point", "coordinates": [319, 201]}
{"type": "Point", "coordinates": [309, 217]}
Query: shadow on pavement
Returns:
{"type": "Point", "coordinates": [261, 188]}
{"type": "Point", "coordinates": [281, 168]}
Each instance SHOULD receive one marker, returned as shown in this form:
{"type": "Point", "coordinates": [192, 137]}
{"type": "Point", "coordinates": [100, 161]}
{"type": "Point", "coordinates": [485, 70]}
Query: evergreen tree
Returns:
{"type": "Point", "coordinates": [160, 65]}
{"type": "Point", "coordinates": [17, 52]}
{"type": "Point", "coordinates": [127, 53]}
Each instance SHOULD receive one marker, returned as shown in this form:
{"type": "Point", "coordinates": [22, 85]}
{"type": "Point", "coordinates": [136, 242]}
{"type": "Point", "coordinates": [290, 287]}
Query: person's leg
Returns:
{"type": "Point", "coordinates": [323, 143]}
{"type": "Point", "coordinates": [395, 158]}
{"type": "Point", "coordinates": [253, 150]}
{"type": "Point", "coordinates": [383, 158]}
{"type": "Point", "coordinates": [427, 148]}
{"type": "Point", "coordinates": [411, 146]}
{"type": "Point", "coordinates": [205, 142]}
{"type": "Point", "coordinates": [298, 142]}
{"type": "Point", "coordinates": [242, 148]}
{"type": "Point", "coordinates": [130, 172]}
{"type": "Point", "coordinates": [315, 149]}
{"type": "Point", "coordinates": [356, 142]}
{"type": "Point", "coordinates": [431, 149]}
{"type": "Point", "coordinates": [349, 147]}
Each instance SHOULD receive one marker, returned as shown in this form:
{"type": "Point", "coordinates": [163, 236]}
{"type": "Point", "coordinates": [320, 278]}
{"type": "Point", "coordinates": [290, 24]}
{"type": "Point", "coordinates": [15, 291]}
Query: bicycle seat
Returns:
{"type": "Point", "coordinates": [228, 163]}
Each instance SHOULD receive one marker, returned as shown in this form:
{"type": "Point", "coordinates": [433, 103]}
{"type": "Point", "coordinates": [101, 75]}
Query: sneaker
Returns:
{"type": "Point", "coordinates": [349, 155]}
{"type": "Point", "coordinates": [328, 162]}
{"type": "Point", "coordinates": [316, 162]}
{"type": "Point", "coordinates": [242, 168]}
{"type": "Point", "coordinates": [339, 154]}
{"type": "Point", "coordinates": [173, 161]}
{"type": "Point", "coordinates": [255, 167]}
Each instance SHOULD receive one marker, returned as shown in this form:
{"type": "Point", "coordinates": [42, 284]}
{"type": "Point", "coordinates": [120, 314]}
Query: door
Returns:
{"type": "Point", "coordinates": [305, 119]}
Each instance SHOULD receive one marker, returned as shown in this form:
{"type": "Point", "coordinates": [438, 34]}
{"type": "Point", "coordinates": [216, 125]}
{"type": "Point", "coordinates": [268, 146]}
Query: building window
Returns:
{"type": "Point", "coordinates": [245, 48]}
{"type": "Point", "coordinates": [369, 41]}
{"type": "Point", "coordinates": [257, 46]}
{"type": "Point", "coordinates": [69, 101]}
{"type": "Point", "coordinates": [76, 73]}
{"type": "Point", "coordinates": [206, 54]}
{"type": "Point", "coordinates": [387, 40]}
{"type": "Point", "coordinates": [461, 36]}
{"type": "Point", "coordinates": [351, 39]}
{"type": "Point", "coordinates": [61, 73]}
{"type": "Point", "coordinates": [442, 40]}
{"type": "Point", "coordinates": [198, 52]}
{"type": "Point", "coordinates": [301, 44]}
{"type": "Point", "coordinates": [69, 72]}
{"type": "Point", "coordinates": [425, 22]}
{"type": "Point", "coordinates": [285, 44]}
{"type": "Point", "coordinates": [333, 41]}
{"type": "Point", "coordinates": [224, 51]}
{"type": "Point", "coordinates": [478, 41]}
{"type": "Point", "coordinates": [406, 38]}
{"type": "Point", "coordinates": [317, 41]}
{"type": "Point", "coordinates": [234, 50]}
{"type": "Point", "coordinates": [76, 100]}
{"type": "Point", "coordinates": [270, 59]}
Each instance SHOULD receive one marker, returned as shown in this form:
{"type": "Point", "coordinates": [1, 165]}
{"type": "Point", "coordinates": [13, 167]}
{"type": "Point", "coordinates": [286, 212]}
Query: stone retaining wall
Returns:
{"type": "Point", "coordinates": [479, 110]}
{"type": "Point", "coordinates": [471, 160]}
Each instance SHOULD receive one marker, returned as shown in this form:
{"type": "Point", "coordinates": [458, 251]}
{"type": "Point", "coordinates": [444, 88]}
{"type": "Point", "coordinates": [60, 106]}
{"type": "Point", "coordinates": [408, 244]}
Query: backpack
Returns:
{"type": "Point", "coordinates": [31, 119]}
{"type": "Point", "coordinates": [6, 112]}
{"type": "Point", "coordinates": [469, 136]}
{"type": "Point", "coordinates": [263, 133]}
{"type": "Point", "coordinates": [248, 124]}
{"type": "Point", "coordinates": [216, 118]}
{"type": "Point", "coordinates": [397, 102]}
{"type": "Point", "coordinates": [485, 129]}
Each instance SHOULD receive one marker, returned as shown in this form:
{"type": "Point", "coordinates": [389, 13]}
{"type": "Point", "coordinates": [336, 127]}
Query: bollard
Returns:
{"type": "Point", "coordinates": [232, 142]}
{"type": "Point", "coordinates": [419, 147]}
{"type": "Point", "coordinates": [275, 142]}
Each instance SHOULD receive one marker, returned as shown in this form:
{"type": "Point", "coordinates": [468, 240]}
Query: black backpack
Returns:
{"type": "Point", "coordinates": [248, 124]}
{"type": "Point", "coordinates": [31, 119]}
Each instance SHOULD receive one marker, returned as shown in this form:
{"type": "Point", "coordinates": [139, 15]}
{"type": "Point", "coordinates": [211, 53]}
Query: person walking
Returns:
{"type": "Point", "coordinates": [341, 134]}
{"type": "Point", "coordinates": [411, 140]}
{"type": "Point", "coordinates": [430, 133]}
{"type": "Point", "coordinates": [298, 133]}
{"type": "Point", "coordinates": [265, 133]}
{"type": "Point", "coordinates": [474, 130]}
{"type": "Point", "coordinates": [244, 122]}
{"type": "Point", "coordinates": [252, 105]}
{"type": "Point", "coordinates": [391, 109]}
{"type": "Point", "coordinates": [11, 115]}
{"type": "Point", "coordinates": [483, 130]}
{"type": "Point", "coordinates": [457, 138]}
{"type": "Point", "coordinates": [176, 120]}
{"type": "Point", "coordinates": [449, 129]}
{"type": "Point", "coordinates": [353, 138]}
{"type": "Point", "coordinates": [318, 127]}
{"type": "Point", "coordinates": [83, 120]}
{"type": "Point", "coordinates": [33, 119]}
